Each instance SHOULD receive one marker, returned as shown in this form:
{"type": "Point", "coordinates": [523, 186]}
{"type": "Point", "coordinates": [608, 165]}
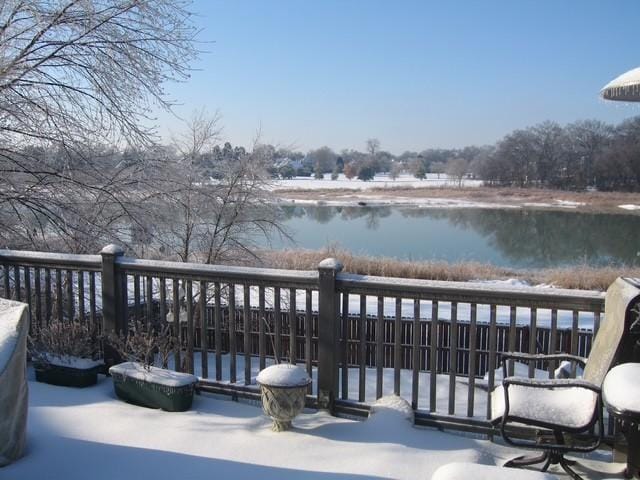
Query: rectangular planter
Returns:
{"type": "Point", "coordinates": [67, 376]}
{"type": "Point", "coordinates": [149, 387]}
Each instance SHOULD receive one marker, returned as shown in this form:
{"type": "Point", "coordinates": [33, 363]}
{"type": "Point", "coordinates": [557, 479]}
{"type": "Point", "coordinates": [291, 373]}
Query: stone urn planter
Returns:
{"type": "Point", "coordinates": [153, 387]}
{"type": "Point", "coordinates": [283, 388]}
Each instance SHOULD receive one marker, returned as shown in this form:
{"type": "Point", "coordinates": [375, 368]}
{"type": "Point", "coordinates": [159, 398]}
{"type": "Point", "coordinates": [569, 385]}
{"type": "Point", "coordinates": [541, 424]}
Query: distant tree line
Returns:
{"type": "Point", "coordinates": [580, 155]}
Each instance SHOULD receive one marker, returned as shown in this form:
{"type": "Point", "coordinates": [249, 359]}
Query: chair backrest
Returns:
{"type": "Point", "coordinates": [606, 348]}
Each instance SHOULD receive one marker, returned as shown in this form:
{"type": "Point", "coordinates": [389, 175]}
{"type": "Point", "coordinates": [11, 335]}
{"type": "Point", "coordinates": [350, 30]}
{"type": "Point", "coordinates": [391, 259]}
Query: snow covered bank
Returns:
{"type": "Point", "coordinates": [381, 180]}
{"type": "Point", "coordinates": [629, 207]}
{"type": "Point", "coordinates": [382, 201]}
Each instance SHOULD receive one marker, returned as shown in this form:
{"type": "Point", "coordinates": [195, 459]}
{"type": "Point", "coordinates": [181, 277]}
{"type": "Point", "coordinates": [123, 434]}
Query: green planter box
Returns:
{"type": "Point", "coordinates": [154, 387]}
{"type": "Point", "coordinates": [67, 376]}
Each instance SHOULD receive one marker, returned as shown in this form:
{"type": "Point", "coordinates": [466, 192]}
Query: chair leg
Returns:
{"type": "Point", "coordinates": [565, 464]}
{"type": "Point", "coordinates": [547, 464]}
{"type": "Point", "coordinates": [549, 458]}
{"type": "Point", "coordinates": [524, 461]}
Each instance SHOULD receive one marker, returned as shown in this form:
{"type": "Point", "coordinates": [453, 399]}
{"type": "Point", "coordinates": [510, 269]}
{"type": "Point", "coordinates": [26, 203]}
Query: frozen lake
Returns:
{"type": "Point", "coordinates": [520, 238]}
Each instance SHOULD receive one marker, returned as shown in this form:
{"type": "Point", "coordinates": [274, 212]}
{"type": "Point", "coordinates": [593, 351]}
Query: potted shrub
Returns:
{"type": "Point", "coordinates": [141, 380]}
{"type": "Point", "coordinates": [283, 388]}
{"type": "Point", "coordinates": [66, 353]}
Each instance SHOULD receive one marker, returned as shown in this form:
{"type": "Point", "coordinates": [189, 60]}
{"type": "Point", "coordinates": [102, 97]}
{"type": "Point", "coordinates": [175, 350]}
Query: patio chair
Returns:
{"type": "Point", "coordinates": [567, 413]}
{"type": "Point", "coordinates": [14, 327]}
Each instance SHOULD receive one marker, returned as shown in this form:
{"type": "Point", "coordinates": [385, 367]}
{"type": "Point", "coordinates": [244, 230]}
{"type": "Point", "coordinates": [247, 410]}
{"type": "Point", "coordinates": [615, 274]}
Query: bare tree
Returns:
{"type": "Point", "coordinates": [585, 142]}
{"type": "Point", "coordinates": [324, 160]}
{"type": "Point", "coordinates": [185, 192]}
{"type": "Point", "coordinates": [549, 154]}
{"type": "Point", "coordinates": [373, 146]}
{"type": "Point", "coordinates": [438, 168]}
{"type": "Point", "coordinates": [218, 219]}
{"type": "Point", "coordinates": [396, 170]}
{"type": "Point", "coordinates": [457, 168]}
{"type": "Point", "coordinates": [75, 74]}
{"type": "Point", "coordinates": [350, 170]}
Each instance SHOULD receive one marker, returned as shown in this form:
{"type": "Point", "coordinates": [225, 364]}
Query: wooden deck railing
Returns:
{"type": "Point", "coordinates": [473, 331]}
{"type": "Point", "coordinates": [359, 336]}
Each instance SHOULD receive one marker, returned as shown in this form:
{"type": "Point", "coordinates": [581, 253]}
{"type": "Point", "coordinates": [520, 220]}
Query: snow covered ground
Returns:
{"type": "Point", "coordinates": [381, 180]}
{"type": "Point", "coordinates": [629, 207]}
{"type": "Point", "coordinates": [78, 434]}
{"type": "Point", "coordinates": [407, 181]}
{"type": "Point", "coordinates": [384, 200]}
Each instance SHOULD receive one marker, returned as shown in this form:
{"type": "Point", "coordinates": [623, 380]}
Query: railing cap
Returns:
{"type": "Point", "coordinates": [330, 264]}
{"type": "Point", "coordinates": [112, 249]}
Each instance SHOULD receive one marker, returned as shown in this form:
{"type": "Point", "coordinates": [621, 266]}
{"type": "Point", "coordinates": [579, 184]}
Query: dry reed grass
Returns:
{"type": "Point", "coordinates": [584, 277]}
{"type": "Point", "coordinates": [579, 277]}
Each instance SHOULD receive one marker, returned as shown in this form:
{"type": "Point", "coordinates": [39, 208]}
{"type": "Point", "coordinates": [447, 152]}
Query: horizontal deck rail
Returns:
{"type": "Point", "coordinates": [217, 273]}
{"type": "Point", "coordinates": [64, 261]}
{"type": "Point", "coordinates": [469, 292]}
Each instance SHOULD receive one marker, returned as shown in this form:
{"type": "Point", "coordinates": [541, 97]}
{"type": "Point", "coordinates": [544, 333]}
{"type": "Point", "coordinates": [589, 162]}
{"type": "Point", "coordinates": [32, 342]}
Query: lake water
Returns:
{"type": "Point", "coordinates": [506, 237]}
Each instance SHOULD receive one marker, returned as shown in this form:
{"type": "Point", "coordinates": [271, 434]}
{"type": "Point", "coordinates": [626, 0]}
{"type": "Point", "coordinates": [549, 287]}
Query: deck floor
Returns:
{"type": "Point", "coordinates": [90, 434]}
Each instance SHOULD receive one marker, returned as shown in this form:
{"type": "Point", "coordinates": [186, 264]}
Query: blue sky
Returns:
{"type": "Point", "coordinates": [414, 74]}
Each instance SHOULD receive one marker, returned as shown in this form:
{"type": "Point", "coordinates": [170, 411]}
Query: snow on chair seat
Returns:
{"type": "Point", "coordinates": [14, 328]}
{"type": "Point", "coordinates": [465, 470]}
{"type": "Point", "coordinates": [567, 406]}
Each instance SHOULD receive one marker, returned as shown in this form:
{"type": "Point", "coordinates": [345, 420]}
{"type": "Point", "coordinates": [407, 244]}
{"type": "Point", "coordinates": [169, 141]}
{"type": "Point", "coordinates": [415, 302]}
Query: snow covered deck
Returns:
{"type": "Point", "coordinates": [89, 433]}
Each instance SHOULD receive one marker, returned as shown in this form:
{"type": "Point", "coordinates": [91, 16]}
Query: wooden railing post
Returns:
{"type": "Point", "coordinates": [328, 333]}
{"type": "Point", "coordinates": [112, 305]}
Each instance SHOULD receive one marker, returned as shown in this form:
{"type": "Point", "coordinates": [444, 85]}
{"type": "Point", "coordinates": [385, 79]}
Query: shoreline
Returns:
{"type": "Point", "coordinates": [465, 197]}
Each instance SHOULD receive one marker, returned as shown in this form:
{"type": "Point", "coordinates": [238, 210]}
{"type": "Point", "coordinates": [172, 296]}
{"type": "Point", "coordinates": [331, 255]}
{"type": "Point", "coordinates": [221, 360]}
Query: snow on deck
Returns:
{"type": "Point", "coordinates": [88, 433]}
{"type": "Point", "coordinates": [77, 434]}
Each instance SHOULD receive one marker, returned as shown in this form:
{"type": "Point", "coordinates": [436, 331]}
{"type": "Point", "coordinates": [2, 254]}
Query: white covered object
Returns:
{"type": "Point", "coordinates": [71, 361]}
{"type": "Point", "coordinates": [520, 369]}
{"type": "Point", "coordinates": [476, 471]}
{"type": "Point", "coordinates": [570, 407]}
{"type": "Point", "coordinates": [14, 328]}
{"type": "Point", "coordinates": [283, 375]}
{"type": "Point", "coordinates": [621, 388]}
{"type": "Point", "coordinates": [393, 405]}
{"type": "Point", "coordinates": [160, 376]}
{"type": "Point", "coordinates": [565, 370]}
{"type": "Point", "coordinates": [626, 87]}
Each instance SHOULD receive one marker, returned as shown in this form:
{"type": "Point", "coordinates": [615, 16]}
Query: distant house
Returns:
{"type": "Point", "coordinates": [283, 162]}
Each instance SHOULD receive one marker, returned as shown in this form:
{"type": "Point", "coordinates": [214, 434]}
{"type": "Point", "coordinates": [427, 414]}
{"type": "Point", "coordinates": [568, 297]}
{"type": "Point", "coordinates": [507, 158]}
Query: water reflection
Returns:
{"type": "Point", "coordinates": [519, 238]}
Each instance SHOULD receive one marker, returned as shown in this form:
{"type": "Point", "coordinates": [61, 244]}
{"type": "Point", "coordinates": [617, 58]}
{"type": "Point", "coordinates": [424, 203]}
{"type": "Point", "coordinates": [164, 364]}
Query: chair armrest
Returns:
{"type": "Point", "coordinates": [540, 356]}
{"type": "Point", "coordinates": [551, 383]}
